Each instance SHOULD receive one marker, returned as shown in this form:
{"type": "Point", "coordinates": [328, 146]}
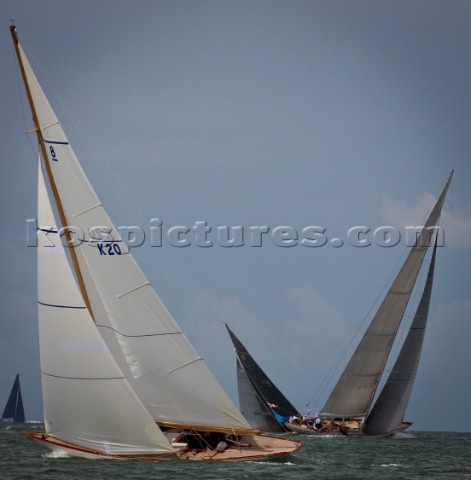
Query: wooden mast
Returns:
{"type": "Point", "coordinates": [52, 182]}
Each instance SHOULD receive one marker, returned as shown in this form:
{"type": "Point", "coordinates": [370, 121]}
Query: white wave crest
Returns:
{"type": "Point", "coordinates": [57, 454]}
{"type": "Point", "coordinates": [403, 435]}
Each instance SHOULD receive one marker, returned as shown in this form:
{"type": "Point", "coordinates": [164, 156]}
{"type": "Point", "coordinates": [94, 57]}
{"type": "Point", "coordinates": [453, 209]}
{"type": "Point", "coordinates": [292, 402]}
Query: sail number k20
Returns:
{"type": "Point", "coordinates": [109, 249]}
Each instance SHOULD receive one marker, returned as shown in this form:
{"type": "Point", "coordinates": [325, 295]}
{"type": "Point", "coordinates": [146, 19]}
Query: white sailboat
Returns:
{"type": "Point", "coordinates": [159, 364]}
{"type": "Point", "coordinates": [349, 409]}
{"type": "Point", "coordinates": [90, 409]}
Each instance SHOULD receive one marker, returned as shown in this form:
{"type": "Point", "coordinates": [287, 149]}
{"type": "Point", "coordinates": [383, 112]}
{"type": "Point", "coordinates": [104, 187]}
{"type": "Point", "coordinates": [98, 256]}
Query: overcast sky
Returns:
{"type": "Point", "coordinates": [255, 113]}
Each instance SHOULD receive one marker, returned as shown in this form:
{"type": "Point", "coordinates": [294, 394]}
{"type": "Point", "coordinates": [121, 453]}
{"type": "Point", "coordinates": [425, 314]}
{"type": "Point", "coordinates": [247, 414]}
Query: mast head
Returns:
{"type": "Point", "coordinates": [13, 30]}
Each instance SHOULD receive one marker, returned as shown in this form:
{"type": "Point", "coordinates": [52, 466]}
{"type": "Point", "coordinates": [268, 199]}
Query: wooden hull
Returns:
{"type": "Point", "coordinates": [76, 451]}
{"type": "Point", "coordinates": [305, 430]}
{"type": "Point", "coordinates": [248, 447]}
{"type": "Point", "coordinates": [337, 431]}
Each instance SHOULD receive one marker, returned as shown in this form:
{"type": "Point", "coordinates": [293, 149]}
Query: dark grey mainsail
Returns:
{"type": "Point", "coordinates": [255, 411]}
{"type": "Point", "coordinates": [14, 411]}
{"type": "Point", "coordinates": [267, 393]}
{"type": "Point", "coordinates": [388, 412]}
{"type": "Point", "coordinates": [354, 391]}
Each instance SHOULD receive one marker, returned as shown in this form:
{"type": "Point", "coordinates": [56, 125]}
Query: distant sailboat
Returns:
{"type": "Point", "coordinates": [124, 321]}
{"type": "Point", "coordinates": [348, 408]}
{"type": "Point", "coordinates": [14, 411]}
{"type": "Point", "coordinates": [387, 414]}
{"type": "Point", "coordinates": [260, 401]}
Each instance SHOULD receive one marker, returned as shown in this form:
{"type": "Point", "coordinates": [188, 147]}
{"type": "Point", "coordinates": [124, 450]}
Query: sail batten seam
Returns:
{"type": "Point", "coordinates": [186, 364]}
{"type": "Point", "coordinates": [51, 125]}
{"type": "Point", "coordinates": [82, 378]}
{"type": "Point", "coordinates": [138, 336]}
{"type": "Point", "coordinates": [133, 289]}
{"type": "Point", "coordinates": [99, 204]}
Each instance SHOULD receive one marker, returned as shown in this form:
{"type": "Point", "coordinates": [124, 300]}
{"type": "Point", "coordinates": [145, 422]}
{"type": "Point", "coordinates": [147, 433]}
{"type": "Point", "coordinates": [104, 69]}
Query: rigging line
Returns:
{"type": "Point", "coordinates": [89, 144]}
{"type": "Point", "coordinates": [328, 377]}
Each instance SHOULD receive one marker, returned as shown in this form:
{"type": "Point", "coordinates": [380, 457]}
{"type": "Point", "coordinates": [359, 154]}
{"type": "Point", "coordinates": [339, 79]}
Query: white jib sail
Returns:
{"type": "Point", "coordinates": [87, 400]}
{"type": "Point", "coordinates": [163, 368]}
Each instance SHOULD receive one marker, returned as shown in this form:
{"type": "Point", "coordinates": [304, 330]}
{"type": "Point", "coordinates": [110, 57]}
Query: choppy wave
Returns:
{"type": "Point", "coordinates": [403, 435]}
{"type": "Point", "coordinates": [431, 455]}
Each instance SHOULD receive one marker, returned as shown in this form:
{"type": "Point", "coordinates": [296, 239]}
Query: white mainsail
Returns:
{"type": "Point", "coordinates": [355, 390]}
{"type": "Point", "coordinates": [166, 372]}
{"type": "Point", "coordinates": [88, 402]}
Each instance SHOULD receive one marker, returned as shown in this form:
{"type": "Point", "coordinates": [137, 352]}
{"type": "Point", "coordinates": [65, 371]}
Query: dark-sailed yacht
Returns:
{"type": "Point", "coordinates": [14, 411]}
{"type": "Point", "coordinates": [349, 409]}
{"type": "Point", "coordinates": [260, 401]}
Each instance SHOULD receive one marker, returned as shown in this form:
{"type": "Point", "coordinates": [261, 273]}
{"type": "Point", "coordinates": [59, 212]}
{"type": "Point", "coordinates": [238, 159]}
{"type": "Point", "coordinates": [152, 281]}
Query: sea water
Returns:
{"type": "Point", "coordinates": [414, 455]}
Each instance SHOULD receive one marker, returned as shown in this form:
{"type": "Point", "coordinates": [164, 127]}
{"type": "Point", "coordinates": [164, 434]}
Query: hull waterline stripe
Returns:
{"type": "Point", "coordinates": [59, 306]}
{"type": "Point", "coordinates": [47, 231]}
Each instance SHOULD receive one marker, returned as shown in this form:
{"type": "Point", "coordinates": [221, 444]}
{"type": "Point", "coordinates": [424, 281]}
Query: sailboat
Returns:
{"type": "Point", "coordinates": [90, 409]}
{"type": "Point", "coordinates": [136, 340]}
{"type": "Point", "coordinates": [14, 411]}
{"type": "Point", "coordinates": [261, 402]}
{"type": "Point", "coordinates": [349, 409]}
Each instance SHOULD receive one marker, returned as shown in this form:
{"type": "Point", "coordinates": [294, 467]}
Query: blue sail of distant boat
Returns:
{"type": "Point", "coordinates": [14, 411]}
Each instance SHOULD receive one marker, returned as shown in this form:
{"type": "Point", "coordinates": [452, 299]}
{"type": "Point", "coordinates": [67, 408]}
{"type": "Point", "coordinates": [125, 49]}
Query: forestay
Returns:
{"type": "Point", "coordinates": [354, 391]}
{"type": "Point", "coordinates": [163, 368]}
